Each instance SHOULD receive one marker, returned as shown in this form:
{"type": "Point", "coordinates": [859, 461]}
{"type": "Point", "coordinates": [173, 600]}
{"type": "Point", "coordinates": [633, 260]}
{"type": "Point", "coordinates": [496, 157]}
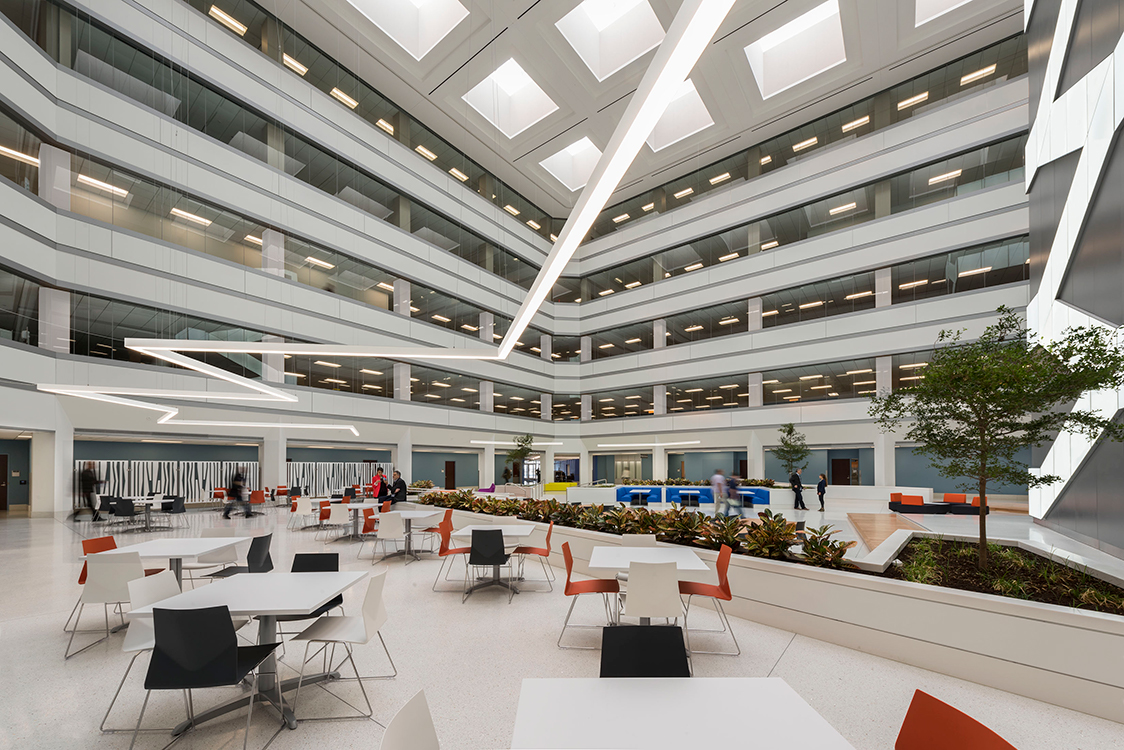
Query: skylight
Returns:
{"type": "Point", "coordinates": [927, 10]}
{"type": "Point", "coordinates": [685, 115]}
{"type": "Point", "coordinates": [801, 49]}
{"type": "Point", "coordinates": [510, 99]}
{"type": "Point", "coordinates": [415, 25]}
{"type": "Point", "coordinates": [610, 34]}
{"type": "Point", "coordinates": [573, 165]}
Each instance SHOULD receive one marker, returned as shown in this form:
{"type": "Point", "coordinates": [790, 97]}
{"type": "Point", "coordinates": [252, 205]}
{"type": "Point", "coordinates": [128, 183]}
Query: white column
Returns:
{"type": "Point", "coordinates": [753, 313]}
{"type": "Point", "coordinates": [755, 457]}
{"type": "Point", "coordinates": [659, 333]}
{"type": "Point", "coordinates": [546, 407]}
{"type": "Point", "coordinates": [272, 453]}
{"type": "Point", "coordinates": [659, 463]}
{"type": "Point", "coordinates": [756, 390]}
{"type": "Point", "coordinates": [488, 474]}
{"type": "Point", "coordinates": [401, 380]}
{"type": "Point", "coordinates": [585, 466]}
{"type": "Point", "coordinates": [659, 399]}
{"type": "Point", "coordinates": [586, 348]}
{"type": "Point", "coordinates": [402, 297]}
{"type": "Point", "coordinates": [884, 374]}
{"type": "Point", "coordinates": [587, 407]}
{"type": "Point", "coordinates": [487, 395]}
{"type": "Point", "coordinates": [404, 457]}
{"type": "Point", "coordinates": [885, 472]}
{"type": "Point", "coordinates": [52, 469]}
{"type": "Point", "coordinates": [545, 343]}
{"type": "Point", "coordinates": [487, 328]}
{"type": "Point", "coordinates": [54, 176]}
{"type": "Point", "coordinates": [54, 320]}
{"type": "Point", "coordinates": [547, 472]}
{"type": "Point", "coordinates": [883, 281]}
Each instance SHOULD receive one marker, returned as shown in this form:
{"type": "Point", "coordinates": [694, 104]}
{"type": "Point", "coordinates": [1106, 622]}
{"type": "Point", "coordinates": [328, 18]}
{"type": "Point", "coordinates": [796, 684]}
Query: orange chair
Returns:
{"type": "Point", "coordinates": [445, 531]}
{"type": "Point", "coordinates": [895, 497]}
{"type": "Point", "coordinates": [955, 497]}
{"type": "Point", "coordinates": [257, 497]}
{"type": "Point", "coordinates": [433, 531]}
{"type": "Point", "coordinates": [385, 507]}
{"type": "Point", "coordinates": [325, 510]}
{"type": "Point", "coordinates": [542, 552]}
{"type": "Point", "coordinates": [931, 724]}
{"type": "Point", "coordinates": [975, 501]}
{"type": "Point", "coordinates": [218, 493]}
{"type": "Point", "coordinates": [92, 547]}
{"type": "Point", "coordinates": [913, 500]}
{"type": "Point", "coordinates": [720, 593]}
{"type": "Point", "coordinates": [577, 588]}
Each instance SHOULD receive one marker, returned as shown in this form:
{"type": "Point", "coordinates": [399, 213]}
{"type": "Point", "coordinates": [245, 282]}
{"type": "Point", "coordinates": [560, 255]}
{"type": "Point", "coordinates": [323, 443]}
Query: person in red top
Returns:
{"type": "Point", "coordinates": [378, 484]}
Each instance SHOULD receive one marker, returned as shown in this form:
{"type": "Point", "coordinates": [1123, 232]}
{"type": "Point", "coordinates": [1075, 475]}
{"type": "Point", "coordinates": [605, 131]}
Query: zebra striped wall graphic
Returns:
{"type": "Point", "coordinates": [321, 478]}
{"type": "Point", "coordinates": [194, 480]}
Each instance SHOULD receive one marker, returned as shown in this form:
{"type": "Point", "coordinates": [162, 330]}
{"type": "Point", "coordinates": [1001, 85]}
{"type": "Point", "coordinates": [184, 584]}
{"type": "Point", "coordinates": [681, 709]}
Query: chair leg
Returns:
{"type": "Point", "coordinates": [136, 731]}
{"type": "Point", "coordinates": [721, 611]}
{"type": "Point", "coordinates": [566, 624]}
{"type": "Point", "coordinates": [250, 713]}
{"type": "Point", "coordinates": [388, 656]}
{"type": "Point", "coordinates": [359, 679]}
{"type": "Point", "coordinates": [119, 686]}
{"type": "Point", "coordinates": [68, 619]}
{"type": "Point", "coordinates": [105, 608]}
{"type": "Point", "coordinates": [300, 678]}
{"type": "Point", "coordinates": [439, 571]}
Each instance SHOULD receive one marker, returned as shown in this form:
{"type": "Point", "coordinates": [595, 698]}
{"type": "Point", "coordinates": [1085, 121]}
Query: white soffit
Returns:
{"type": "Point", "coordinates": [610, 34]}
{"type": "Point", "coordinates": [416, 25]}
{"type": "Point", "coordinates": [799, 50]}
{"type": "Point", "coordinates": [685, 115]}
{"type": "Point", "coordinates": [927, 10]}
{"type": "Point", "coordinates": [510, 99]}
{"type": "Point", "coordinates": [573, 165]}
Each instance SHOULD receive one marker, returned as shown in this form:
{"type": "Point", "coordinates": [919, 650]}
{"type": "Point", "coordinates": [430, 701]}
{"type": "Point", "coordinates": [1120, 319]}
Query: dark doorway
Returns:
{"type": "Point", "coordinates": [743, 468]}
{"type": "Point", "coordinates": [3, 481]}
{"type": "Point", "coordinates": [450, 475]}
{"type": "Point", "coordinates": [840, 471]}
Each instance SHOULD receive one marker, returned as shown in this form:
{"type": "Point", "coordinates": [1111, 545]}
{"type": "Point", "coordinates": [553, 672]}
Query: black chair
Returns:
{"type": "Point", "coordinates": [125, 510]}
{"type": "Point", "coordinates": [314, 562]}
{"type": "Point", "coordinates": [643, 651]}
{"type": "Point", "coordinates": [294, 493]}
{"type": "Point", "coordinates": [107, 504]}
{"type": "Point", "coordinates": [487, 550]}
{"type": "Point", "coordinates": [349, 492]}
{"type": "Point", "coordinates": [197, 648]}
{"type": "Point", "coordinates": [175, 508]}
{"type": "Point", "coordinates": [257, 559]}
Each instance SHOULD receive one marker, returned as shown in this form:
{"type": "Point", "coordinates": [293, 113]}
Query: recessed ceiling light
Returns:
{"type": "Point", "coordinates": [371, 372]}
{"type": "Point", "coordinates": [858, 372]}
{"type": "Point", "coordinates": [318, 262]}
{"type": "Point", "coordinates": [865, 382]}
{"type": "Point", "coordinates": [351, 103]}
{"type": "Point", "coordinates": [295, 374]}
{"type": "Point", "coordinates": [848, 127]}
{"type": "Point", "coordinates": [684, 193]}
{"type": "Point", "coordinates": [336, 381]}
{"type": "Point", "coordinates": [767, 382]}
{"type": "Point", "coordinates": [725, 258]}
{"type": "Point", "coordinates": [227, 20]}
{"type": "Point", "coordinates": [719, 178]}
{"type": "Point", "coordinates": [619, 219]}
{"type": "Point", "coordinates": [425, 152]}
{"type": "Point", "coordinates": [805, 144]}
{"type": "Point", "coordinates": [414, 309]}
{"type": "Point", "coordinates": [385, 126]}
{"type": "Point", "coordinates": [858, 295]}
{"type": "Point", "coordinates": [534, 224]}
{"type": "Point", "coordinates": [692, 329]}
{"type": "Point", "coordinates": [913, 365]}
{"type": "Point", "coordinates": [25, 158]}
{"type": "Point", "coordinates": [647, 206]}
{"type": "Point", "coordinates": [768, 313]}
{"type": "Point", "coordinates": [457, 400]}
{"type": "Point", "coordinates": [911, 284]}
{"type": "Point", "coordinates": [765, 160]}
{"type": "Point", "coordinates": [714, 398]}
{"type": "Point", "coordinates": [468, 327]}
{"type": "Point", "coordinates": [693, 390]}
{"type": "Point", "coordinates": [606, 346]}
{"type": "Point", "coordinates": [554, 238]}
{"type": "Point", "coordinates": [458, 174]}
{"type": "Point", "coordinates": [727, 321]}
{"type": "Point", "coordinates": [511, 209]}
{"type": "Point", "coordinates": [432, 395]}
{"type": "Point", "coordinates": [294, 64]}
{"type": "Point", "coordinates": [810, 377]}
{"type": "Point", "coordinates": [384, 285]}
{"type": "Point", "coordinates": [105, 186]}
{"type": "Point", "coordinates": [819, 387]}
{"type": "Point", "coordinates": [782, 390]}
{"type": "Point", "coordinates": [441, 318]}
{"type": "Point", "coordinates": [632, 285]}
{"type": "Point", "coordinates": [693, 267]}
{"type": "Point", "coordinates": [604, 292]}
{"type": "Point", "coordinates": [190, 217]}
{"type": "Point", "coordinates": [944, 177]}
{"type": "Point", "coordinates": [439, 384]}
{"type": "Point", "coordinates": [769, 245]}
{"type": "Point", "coordinates": [913, 377]}
{"type": "Point", "coordinates": [322, 363]}
{"type": "Point", "coordinates": [974, 271]}
{"type": "Point", "coordinates": [252, 239]}
{"type": "Point", "coordinates": [633, 341]}
{"type": "Point", "coordinates": [981, 73]}
{"type": "Point", "coordinates": [904, 103]}
{"type": "Point", "coordinates": [469, 390]}
{"type": "Point", "coordinates": [841, 209]}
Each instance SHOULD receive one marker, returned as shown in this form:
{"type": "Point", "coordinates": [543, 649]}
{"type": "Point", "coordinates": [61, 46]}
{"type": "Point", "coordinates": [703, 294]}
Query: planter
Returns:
{"type": "Point", "coordinates": [1058, 655]}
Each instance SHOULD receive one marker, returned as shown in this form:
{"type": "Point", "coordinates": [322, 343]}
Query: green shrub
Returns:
{"type": "Point", "coordinates": [823, 551]}
{"type": "Point", "coordinates": [771, 538]}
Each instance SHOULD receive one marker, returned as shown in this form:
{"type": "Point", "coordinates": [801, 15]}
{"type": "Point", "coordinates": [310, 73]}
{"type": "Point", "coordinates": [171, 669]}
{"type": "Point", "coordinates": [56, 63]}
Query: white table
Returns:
{"type": "Point", "coordinates": [510, 531]}
{"type": "Point", "coordinates": [617, 559]}
{"type": "Point", "coordinates": [356, 510]}
{"type": "Point", "coordinates": [657, 713]}
{"type": "Point", "coordinates": [408, 518]}
{"type": "Point", "coordinates": [175, 550]}
{"type": "Point", "coordinates": [147, 502]}
{"type": "Point", "coordinates": [265, 596]}
{"type": "Point", "coordinates": [635, 496]}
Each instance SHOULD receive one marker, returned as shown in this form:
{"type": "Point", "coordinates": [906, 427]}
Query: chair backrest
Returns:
{"type": "Point", "coordinates": [316, 562]}
{"type": "Point", "coordinates": [955, 497]}
{"type": "Point", "coordinates": [931, 723]}
{"type": "Point", "coordinates": [228, 555]}
{"type": "Point", "coordinates": [218, 493]}
{"type": "Point", "coordinates": [638, 540]}
{"type": "Point", "coordinates": [257, 497]}
{"type": "Point", "coordinates": [391, 526]}
{"type": "Point", "coordinates": [385, 507]}
{"type": "Point", "coordinates": [258, 559]}
{"type": "Point", "coordinates": [197, 641]}
{"type": "Point", "coordinates": [374, 609]}
{"type": "Point", "coordinates": [444, 531]}
{"type": "Point", "coordinates": [411, 728]}
{"type": "Point", "coordinates": [295, 492]}
{"type": "Point", "coordinates": [568, 557]}
{"type": "Point", "coordinates": [549, 533]}
{"type": "Point", "coordinates": [144, 592]}
{"type": "Point", "coordinates": [339, 514]}
{"type": "Point", "coordinates": [125, 507]}
{"type": "Point", "coordinates": [177, 504]}
{"type": "Point", "coordinates": [487, 548]}
{"type": "Point", "coordinates": [723, 568]}
{"type": "Point", "coordinates": [895, 497]}
{"type": "Point", "coordinates": [348, 492]}
{"type": "Point", "coordinates": [109, 576]}
{"type": "Point", "coordinates": [913, 500]}
{"type": "Point", "coordinates": [93, 546]}
{"type": "Point", "coordinates": [325, 509]}
{"type": "Point", "coordinates": [369, 520]}
{"type": "Point", "coordinates": [653, 590]}
{"type": "Point", "coordinates": [304, 506]}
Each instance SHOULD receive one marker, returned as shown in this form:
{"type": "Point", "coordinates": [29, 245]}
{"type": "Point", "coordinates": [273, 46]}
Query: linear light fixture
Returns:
{"type": "Point", "coordinates": [769, 312]}
{"type": "Point", "coordinates": [647, 206]}
{"type": "Point", "coordinates": [647, 445]}
{"type": "Point", "coordinates": [863, 393]}
{"type": "Point", "coordinates": [511, 209]}
{"type": "Point", "coordinates": [782, 390]}
{"type": "Point", "coordinates": [227, 20]}
{"type": "Point", "coordinates": [294, 64]}
{"type": "Point", "coordinates": [692, 329]}
{"type": "Point", "coordinates": [945, 177]}
{"type": "Point", "coordinates": [766, 160]}
{"type": "Point", "coordinates": [719, 178]}
{"type": "Point", "coordinates": [819, 387]}
{"type": "Point", "coordinates": [810, 377]}
{"type": "Point", "coordinates": [439, 384]}
{"type": "Point", "coordinates": [190, 217]}
{"type": "Point", "coordinates": [858, 372]}
{"type": "Point", "coordinates": [432, 395]}
{"type": "Point", "coordinates": [458, 174]}
{"type": "Point", "coordinates": [913, 377]}
{"type": "Point", "coordinates": [425, 152]}
{"type": "Point", "coordinates": [633, 396]}
{"type": "Point", "coordinates": [726, 387]}
{"type": "Point", "coordinates": [295, 374]}
{"type": "Point", "coordinates": [318, 262]}
{"type": "Point", "coordinates": [619, 219]}
{"type": "Point", "coordinates": [347, 100]}
{"type": "Point", "coordinates": [441, 318]}
{"type": "Point", "coordinates": [322, 363]}
{"type": "Point", "coordinates": [806, 305]}
{"type": "Point", "coordinates": [693, 267]}
{"type": "Point", "coordinates": [859, 295]}
{"type": "Point", "coordinates": [767, 382]}
{"type": "Point", "coordinates": [371, 372]}
{"type": "Point", "coordinates": [18, 156]}
{"type": "Point", "coordinates": [769, 245]}
{"type": "Point", "coordinates": [507, 442]}
{"type": "Point", "coordinates": [840, 209]}
{"type": "Point", "coordinates": [554, 238]}
{"type": "Point", "coordinates": [683, 193]}
{"type": "Point", "coordinates": [389, 128]}
{"type": "Point", "coordinates": [973, 272]}
{"type": "Point", "coordinates": [105, 186]}
{"type": "Point", "coordinates": [981, 73]}
{"type": "Point", "coordinates": [468, 327]}
{"type": "Point", "coordinates": [253, 240]}
{"type": "Point", "coordinates": [469, 390]}
{"type": "Point", "coordinates": [805, 144]}
{"type": "Point", "coordinates": [693, 390]}
{"type": "Point", "coordinates": [605, 292]}
{"type": "Point", "coordinates": [728, 321]}
{"type": "Point", "coordinates": [606, 346]}
{"type": "Point", "coordinates": [913, 365]}
{"type": "Point", "coordinates": [848, 127]}
{"type": "Point", "coordinates": [905, 103]}
{"type": "Point", "coordinates": [865, 382]}
{"type": "Point", "coordinates": [714, 398]}
{"type": "Point", "coordinates": [632, 285]}
{"type": "Point", "coordinates": [165, 441]}
{"type": "Point", "coordinates": [633, 341]}
{"type": "Point", "coordinates": [384, 285]}
{"type": "Point", "coordinates": [337, 381]}
{"type": "Point", "coordinates": [534, 224]}
{"type": "Point", "coordinates": [725, 258]}
{"type": "Point", "coordinates": [911, 284]}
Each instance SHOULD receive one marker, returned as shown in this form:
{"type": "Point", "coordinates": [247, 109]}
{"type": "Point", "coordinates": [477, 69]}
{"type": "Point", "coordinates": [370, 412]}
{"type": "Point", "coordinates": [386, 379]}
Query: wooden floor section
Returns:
{"type": "Point", "coordinates": [874, 528]}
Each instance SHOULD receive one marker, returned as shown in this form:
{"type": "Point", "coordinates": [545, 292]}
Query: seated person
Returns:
{"type": "Point", "coordinates": [397, 488]}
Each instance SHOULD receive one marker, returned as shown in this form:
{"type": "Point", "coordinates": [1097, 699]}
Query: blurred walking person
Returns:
{"type": "Point", "coordinates": [237, 493]}
{"type": "Point", "coordinates": [88, 486]}
{"type": "Point", "coordinates": [718, 492]}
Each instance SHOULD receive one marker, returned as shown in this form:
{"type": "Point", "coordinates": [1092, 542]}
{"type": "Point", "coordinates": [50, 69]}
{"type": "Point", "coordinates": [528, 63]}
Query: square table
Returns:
{"type": "Point", "coordinates": [639, 497]}
{"type": "Point", "coordinates": [617, 560]}
{"type": "Point", "coordinates": [408, 518]}
{"type": "Point", "coordinates": [510, 532]}
{"type": "Point", "coordinates": [175, 550]}
{"type": "Point", "coordinates": [356, 510]}
{"type": "Point", "coordinates": [671, 713]}
{"type": "Point", "coordinates": [265, 596]}
{"type": "Point", "coordinates": [147, 502]}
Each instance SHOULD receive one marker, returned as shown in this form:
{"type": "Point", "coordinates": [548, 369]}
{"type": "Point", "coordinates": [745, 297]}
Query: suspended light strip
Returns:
{"type": "Point", "coordinates": [840, 209]}
{"type": "Point", "coordinates": [294, 64]}
{"type": "Point", "coordinates": [318, 262]}
{"type": "Point", "coordinates": [769, 245]}
{"type": "Point", "coordinates": [347, 100]}
{"type": "Point", "coordinates": [805, 144]}
{"type": "Point", "coordinates": [25, 158]}
{"type": "Point", "coordinates": [904, 103]}
{"type": "Point", "coordinates": [806, 305]}
{"type": "Point", "coordinates": [227, 20]}
{"type": "Point", "coordinates": [973, 272]}
{"type": "Point", "coordinates": [190, 217]}
{"type": "Point", "coordinates": [859, 295]}
{"type": "Point", "coordinates": [425, 152]}
{"type": "Point", "coordinates": [911, 284]}
{"type": "Point", "coordinates": [848, 127]}
{"type": "Point", "coordinates": [981, 73]}
{"type": "Point", "coordinates": [390, 129]}
{"type": "Point", "coordinates": [119, 192]}
{"type": "Point", "coordinates": [719, 178]}
{"type": "Point", "coordinates": [458, 174]}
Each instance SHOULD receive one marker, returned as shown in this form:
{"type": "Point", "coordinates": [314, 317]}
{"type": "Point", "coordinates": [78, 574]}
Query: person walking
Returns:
{"type": "Point", "coordinates": [735, 503]}
{"type": "Point", "coordinates": [237, 494]}
{"type": "Point", "coordinates": [718, 492]}
{"type": "Point", "coordinates": [821, 488]}
{"type": "Point", "coordinates": [798, 490]}
{"type": "Point", "coordinates": [397, 488]}
{"type": "Point", "coordinates": [88, 486]}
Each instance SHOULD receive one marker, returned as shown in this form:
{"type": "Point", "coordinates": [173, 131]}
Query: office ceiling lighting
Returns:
{"type": "Point", "coordinates": [104, 186]}
{"type": "Point", "coordinates": [913, 366]}
{"type": "Point", "coordinates": [769, 312]}
{"type": "Point", "coordinates": [469, 390]}
{"type": "Point", "coordinates": [806, 305]}
{"type": "Point", "coordinates": [605, 292]}
{"type": "Point", "coordinates": [728, 321]}
{"type": "Point", "coordinates": [165, 441]}
{"type": "Point", "coordinates": [619, 219]}
{"type": "Point", "coordinates": [384, 285]}
{"type": "Point", "coordinates": [766, 160]}
{"type": "Point", "coordinates": [371, 372]}
{"type": "Point", "coordinates": [819, 387]}
{"type": "Point", "coordinates": [508, 442]}
{"type": "Point", "coordinates": [190, 217]}
{"type": "Point", "coordinates": [725, 258]}
{"type": "Point", "coordinates": [458, 174]}
{"type": "Point", "coordinates": [351, 103]}
{"type": "Point", "coordinates": [337, 381]}
{"type": "Point", "coordinates": [633, 396]}
{"type": "Point", "coordinates": [25, 158]}
{"type": "Point", "coordinates": [439, 384]}
{"type": "Point", "coordinates": [911, 284]}
{"type": "Point", "coordinates": [848, 127]}
{"type": "Point", "coordinates": [610, 34]}
{"type": "Point", "coordinates": [767, 382]}
{"type": "Point", "coordinates": [322, 363]}
{"type": "Point", "coordinates": [467, 327]}
{"type": "Point", "coordinates": [416, 26]}
{"type": "Point", "coordinates": [782, 390]}
{"type": "Point", "coordinates": [295, 374]}
{"type": "Point", "coordinates": [388, 128]}
{"type": "Point", "coordinates": [534, 224]}
{"type": "Point", "coordinates": [905, 103]}
{"type": "Point", "coordinates": [859, 295]}
{"type": "Point", "coordinates": [633, 341]}
{"type": "Point", "coordinates": [293, 64]}
{"type": "Point", "coordinates": [227, 20]}
{"type": "Point", "coordinates": [509, 99]}
{"type": "Point", "coordinates": [511, 209]}
{"type": "Point", "coordinates": [554, 238]}
{"type": "Point", "coordinates": [648, 445]}
{"type": "Point", "coordinates": [810, 377]}
{"type": "Point", "coordinates": [425, 152]}
{"type": "Point", "coordinates": [865, 382]}
{"type": "Point", "coordinates": [693, 267]}
{"type": "Point", "coordinates": [432, 395]}
{"type": "Point", "coordinates": [719, 178]}
{"type": "Point", "coordinates": [606, 346]}
{"type": "Point", "coordinates": [973, 272]}
{"type": "Point", "coordinates": [858, 372]}
{"type": "Point", "coordinates": [252, 239]}
{"type": "Point", "coordinates": [691, 329]}
{"type": "Point", "coordinates": [913, 377]}
{"type": "Point", "coordinates": [981, 73]}
{"type": "Point", "coordinates": [726, 387]}
{"type": "Point", "coordinates": [648, 207]}
{"type": "Point", "coordinates": [945, 177]}
{"type": "Point", "coordinates": [769, 245]}
{"type": "Point", "coordinates": [318, 262]}
{"type": "Point", "coordinates": [805, 144]}
{"type": "Point", "coordinates": [632, 285]}
{"type": "Point", "coordinates": [684, 193]}
{"type": "Point", "coordinates": [693, 390]}
{"type": "Point", "coordinates": [840, 209]}
{"type": "Point", "coordinates": [713, 398]}
{"type": "Point", "coordinates": [441, 318]}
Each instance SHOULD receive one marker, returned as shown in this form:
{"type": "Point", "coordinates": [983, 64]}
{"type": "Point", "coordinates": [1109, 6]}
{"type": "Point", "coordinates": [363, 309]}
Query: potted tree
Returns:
{"type": "Point", "coordinates": [793, 450]}
{"type": "Point", "coordinates": [517, 454]}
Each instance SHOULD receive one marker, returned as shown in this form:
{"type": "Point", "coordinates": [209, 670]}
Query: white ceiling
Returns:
{"type": "Point", "coordinates": [883, 46]}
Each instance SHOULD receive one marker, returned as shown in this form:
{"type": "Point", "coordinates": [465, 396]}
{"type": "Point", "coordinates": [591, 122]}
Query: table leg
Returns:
{"type": "Point", "coordinates": [176, 566]}
{"type": "Point", "coordinates": [147, 517]}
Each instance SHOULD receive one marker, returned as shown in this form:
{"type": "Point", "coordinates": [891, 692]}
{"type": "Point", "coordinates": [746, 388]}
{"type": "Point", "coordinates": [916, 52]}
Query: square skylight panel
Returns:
{"type": "Point", "coordinates": [573, 165]}
{"type": "Point", "coordinates": [927, 10]}
{"type": "Point", "coordinates": [801, 49]}
{"type": "Point", "coordinates": [610, 34]}
{"type": "Point", "coordinates": [685, 115]}
{"type": "Point", "coordinates": [416, 25]}
{"type": "Point", "coordinates": [510, 99]}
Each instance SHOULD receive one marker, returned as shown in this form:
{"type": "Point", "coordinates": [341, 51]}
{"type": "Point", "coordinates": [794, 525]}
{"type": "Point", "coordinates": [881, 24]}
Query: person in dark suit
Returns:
{"type": "Point", "coordinates": [237, 494]}
{"type": "Point", "coordinates": [88, 482]}
{"type": "Point", "coordinates": [798, 490]}
{"type": "Point", "coordinates": [821, 488]}
{"type": "Point", "coordinates": [397, 488]}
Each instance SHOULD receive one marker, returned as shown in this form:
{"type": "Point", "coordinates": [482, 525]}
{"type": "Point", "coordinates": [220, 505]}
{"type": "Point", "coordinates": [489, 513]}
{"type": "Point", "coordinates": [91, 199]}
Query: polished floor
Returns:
{"type": "Point", "coordinates": [469, 658]}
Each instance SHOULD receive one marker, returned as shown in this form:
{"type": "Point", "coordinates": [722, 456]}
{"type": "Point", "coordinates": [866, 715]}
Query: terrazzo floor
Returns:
{"type": "Point", "coordinates": [469, 658]}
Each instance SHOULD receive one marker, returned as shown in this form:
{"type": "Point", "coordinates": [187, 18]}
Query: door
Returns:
{"type": "Point", "coordinates": [3, 481]}
{"type": "Point", "coordinates": [450, 475]}
{"type": "Point", "coordinates": [743, 468]}
{"type": "Point", "coordinates": [840, 471]}
{"type": "Point", "coordinates": [682, 469]}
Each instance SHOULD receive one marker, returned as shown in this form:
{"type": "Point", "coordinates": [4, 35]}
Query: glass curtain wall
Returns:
{"type": "Point", "coordinates": [727, 392]}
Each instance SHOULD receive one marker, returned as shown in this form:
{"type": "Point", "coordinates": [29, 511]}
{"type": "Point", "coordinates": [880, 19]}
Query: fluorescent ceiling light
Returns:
{"type": "Point", "coordinates": [782, 390]}
{"type": "Point", "coordinates": [647, 445]}
{"type": "Point", "coordinates": [858, 372]}
{"type": "Point", "coordinates": [227, 20]}
{"type": "Point", "coordinates": [904, 103]}
{"type": "Point", "coordinates": [439, 384]}
{"type": "Point", "coordinates": [318, 262]}
{"type": "Point", "coordinates": [692, 329]}
{"type": "Point", "coordinates": [769, 245]}
{"type": "Point", "coordinates": [534, 224]}
{"type": "Point", "coordinates": [632, 285]}
{"type": "Point", "coordinates": [457, 400]}
{"type": "Point", "coordinates": [693, 267]}
{"type": "Point", "coordinates": [714, 398]}
{"type": "Point", "coordinates": [606, 346]}
{"type": "Point", "coordinates": [768, 313]}
{"type": "Point", "coordinates": [432, 395]}
{"type": "Point", "coordinates": [810, 377]}
{"type": "Point", "coordinates": [913, 377]}
{"type": "Point", "coordinates": [414, 309]}
{"type": "Point", "coordinates": [684, 193]}
{"type": "Point", "coordinates": [610, 34]}
{"type": "Point", "coordinates": [605, 292]}
{"type": "Point", "coordinates": [327, 364]}
{"type": "Point", "coordinates": [926, 10]}
{"type": "Point", "coordinates": [190, 217]}
{"type": "Point", "coordinates": [647, 206]}
{"type": "Point", "coordinates": [981, 73]}
{"type": "Point", "coordinates": [686, 115]}
{"type": "Point", "coordinates": [633, 341]}
{"type": "Point", "coordinates": [865, 382]}
{"type": "Point", "coordinates": [384, 285]}
{"type": "Point", "coordinates": [25, 158]}
{"type": "Point", "coordinates": [351, 103]}
{"type": "Point", "coordinates": [798, 51]}
{"type": "Point", "coordinates": [385, 126]}
{"type": "Point", "coordinates": [911, 284]}
{"type": "Point", "coordinates": [859, 295]}
{"type": "Point", "coordinates": [944, 177]}
{"type": "Point", "coordinates": [767, 382]}
{"type": "Point", "coordinates": [511, 209]}
{"type": "Point", "coordinates": [719, 178]}
{"type": "Point", "coordinates": [425, 152]}
{"type": "Point", "coordinates": [371, 372]}
{"type": "Point", "coordinates": [370, 387]}
{"type": "Point", "coordinates": [841, 209]}
{"type": "Point", "coordinates": [604, 400]}
{"type": "Point", "coordinates": [416, 26]}
{"type": "Point", "coordinates": [554, 238]}
{"type": "Point", "coordinates": [725, 258]}
{"type": "Point", "coordinates": [727, 321]}
{"type": "Point", "coordinates": [441, 318]}
{"type": "Point", "coordinates": [253, 240]}
{"type": "Point", "coordinates": [510, 100]}
{"type": "Point", "coordinates": [913, 365]}
{"type": "Point", "coordinates": [294, 64]}
{"type": "Point", "coordinates": [693, 390]}
{"type": "Point", "coordinates": [974, 271]}
{"type": "Point", "coordinates": [726, 387]}
{"type": "Point", "coordinates": [458, 174]}
{"type": "Point", "coordinates": [105, 186]}
{"type": "Point", "coordinates": [334, 380]}
{"type": "Point", "coordinates": [806, 305]}
{"type": "Point", "coordinates": [295, 374]}
{"type": "Point", "coordinates": [819, 387]}
{"type": "Point", "coordinates": [805, 144]}
{"type": "Point", "coordinates": [848, 127]}
{"type": "Point", "coordinates": [634, 396]}
{"type": "Point", "coordinates": [619, 219]}
{"type": "Point", "coordinates": [765, 160]}
{"type": "Point", "coordinates": [469, 390]}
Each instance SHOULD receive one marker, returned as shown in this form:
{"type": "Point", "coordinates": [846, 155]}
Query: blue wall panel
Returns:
{"type": "Point", "coordinates": [431, 466]}
{"type": "Point", "coordinates": [19, 459]}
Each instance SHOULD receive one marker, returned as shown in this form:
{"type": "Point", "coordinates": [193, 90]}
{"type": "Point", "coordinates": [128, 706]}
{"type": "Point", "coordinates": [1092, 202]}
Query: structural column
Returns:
{"type": "Point", "coordinates": [753, 314]}
{"type": "Point", "coordinates": [586, 349]}
{"type": "Point", "coordinates": [271, 459]}
{"type": "Point", "coordinates": [273, 262]}
{"type": "Point", "coordinates": [755, 457]}
{"type": "Point", "coordinates": [402, 297]}
{"type": "Point", "coordinates": [487, 395]}
{"type": "Point", "coordinates": [884, 375]}
{"type": "Point", "coordinates": [546, 406]}
{"type": "Point", "coordinates": [659, 333]}
{"type": "Point", "coordinates": [885, 471]}
{"type": "Point", "coordinates": [883, 287]}
{"type": "Point", "coordinates": [404, 456]}
{"type": "Point", "coordinates": [545, 346]}
{"type": "Point", "coordinates": [402, 383]}
{"type": "Point", "coordinates": [659, 462]}
{"type": "Point", "coordinates": [488, 472]}
{"type": "Point", "coordinates": [487, 323]}
{"type": "Point", "coordinates": [587, 407]}
{"type": "Point", "coordinates": [585, 467]}
{"type": "Point", "coordinates": [52, 469]}
{"type": "Point", "coordinates": [54, 320]}
{"type": "Point", "coordinates": [659, 399]}
{"type": "Point", "coordinates": [756, 390]}
{"type": "Point", "coordinates": [547, 462]}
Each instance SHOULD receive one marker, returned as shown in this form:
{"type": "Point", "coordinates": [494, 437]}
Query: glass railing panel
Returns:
{"type": "Point", "coordinates": [621, 340]}
{"type": "Point", "coordinates": [994, 264]}
{"type": "Point", "coordinates": [19, 308]}
{"type": "Point", "coordinates": [630, 402]}
{"type": "Point", "coordinates": [516, 401]}
{"type": "Point", "coordinates": [728, 392]}
{"type": "Point", "coordinates": [823, 382]}
{"type": "Point", "coordinates": [708, 322]}
{"type": "Point", "coordinates": [819, 300]}
{"type": "Point", "coordinates": [566, 407]}
{"type": "Point", "coordinates": [433, 386]}
{"type": "Point", "coordinates": [566, 348]}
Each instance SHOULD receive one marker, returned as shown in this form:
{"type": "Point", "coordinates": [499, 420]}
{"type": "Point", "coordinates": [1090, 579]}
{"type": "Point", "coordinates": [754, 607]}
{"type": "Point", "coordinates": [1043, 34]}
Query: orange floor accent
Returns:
{"type": "Point", "coordinates": [874, 528]}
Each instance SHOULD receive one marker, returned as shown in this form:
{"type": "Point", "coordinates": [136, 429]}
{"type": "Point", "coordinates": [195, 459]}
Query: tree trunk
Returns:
{"type": "Point", "coordinates": [983, 525]}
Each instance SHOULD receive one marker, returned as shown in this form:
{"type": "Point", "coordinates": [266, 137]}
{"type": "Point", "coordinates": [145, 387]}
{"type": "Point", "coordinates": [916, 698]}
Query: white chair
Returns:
{"type": "Point", "coordinates": [140, 636]}
{"type": "Point", "coordinates": [107, 582]}
{"type": "Point", "coordinates": [653, 591]}
{"type": "Point", "coordinates": [350, 630]}
{"type": "Point", "coordinates": [391, 529]}
{"type": "Point", "coordinates": [339, 518]}
{"type": "Point", "coordinates": [411, 728]}
{"type": "Point", "coordinates": [304, 510]}
{"type": "Point", "coordinates": [635, 540]}
{"type": "Point", "coordinates": [220, 559]}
